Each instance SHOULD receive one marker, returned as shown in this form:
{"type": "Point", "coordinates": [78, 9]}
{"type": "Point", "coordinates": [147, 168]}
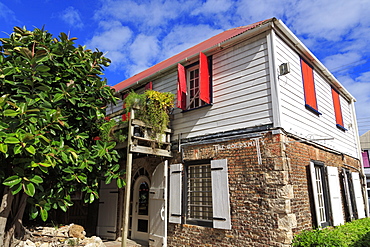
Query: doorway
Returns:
{"type": "Point", "coordinates": [140, 209]}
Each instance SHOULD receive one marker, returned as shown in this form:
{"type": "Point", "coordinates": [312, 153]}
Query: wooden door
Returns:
{"type": "Point", "coordinates": [140, 209]}
{"type": "Point", "coordinates": [107, 213]}
{"type": "Point", "coordinates": [157, 207]}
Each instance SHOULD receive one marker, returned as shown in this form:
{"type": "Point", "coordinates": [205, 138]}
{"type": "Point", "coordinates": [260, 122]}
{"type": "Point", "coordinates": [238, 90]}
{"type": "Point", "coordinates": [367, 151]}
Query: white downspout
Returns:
{"type": "Point", "coordinates": [360, 155]}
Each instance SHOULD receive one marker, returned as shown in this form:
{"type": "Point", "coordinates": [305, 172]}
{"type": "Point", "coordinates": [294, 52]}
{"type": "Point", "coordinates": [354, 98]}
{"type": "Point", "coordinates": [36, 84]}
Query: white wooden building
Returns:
{"type": "Point", "coordinates": [256, 111]}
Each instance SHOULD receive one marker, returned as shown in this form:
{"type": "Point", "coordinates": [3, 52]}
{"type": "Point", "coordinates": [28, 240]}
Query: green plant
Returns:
{"type": "Point", "coordinates": [354, 234]}
{"type": "Point", "coordinates": [109, 132]}
{"type": "Point", "coordinates": [153, 109]}
{"type": "Point", "coordinates": [52, 103]}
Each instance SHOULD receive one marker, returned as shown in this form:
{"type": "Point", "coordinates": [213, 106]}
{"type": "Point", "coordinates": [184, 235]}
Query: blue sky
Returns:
{"type": "Point", "coordinates": [138, 34]}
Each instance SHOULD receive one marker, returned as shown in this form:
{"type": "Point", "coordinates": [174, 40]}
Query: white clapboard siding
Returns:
{"type": "Point", "coordinates": [175, 193]}
{"type": "Point", "coordinates": [241, 92]}
{"type": "Point", "coordinates": [358, 195]}
{"type": "Point", "coordinates": [296, 119]}
{"type": "Point", "coordinates": [335, 196]}
{"type": "Point", "coordinates": [220, 194]}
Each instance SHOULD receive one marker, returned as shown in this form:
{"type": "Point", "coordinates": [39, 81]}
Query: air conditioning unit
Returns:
{"type": "Point", "coordinates": [284, 69]}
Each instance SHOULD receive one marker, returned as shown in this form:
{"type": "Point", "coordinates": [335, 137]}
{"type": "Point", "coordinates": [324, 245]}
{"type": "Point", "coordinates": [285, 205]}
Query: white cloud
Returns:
{"type": "Point", "coordinates": [72, 17]}
{"type": "Point", "coordinates": [113, 40]}
{"type": "Point", "coordinates": [213, 6]}
{"type": "Point", "coordinates": [7, 15]}
{"type": "Point", "coordinates": [328, 19]}
{"type": "Point", "coordinates": [360, 88]}
{"type": "Point", "coordinates": [183, 37]}
{"type": "Point", "coordinates": [341, 61]}
{"type": "Point", "coordinates": [145, 14]}
{"type": "Point", "coordinates": [143, 53]}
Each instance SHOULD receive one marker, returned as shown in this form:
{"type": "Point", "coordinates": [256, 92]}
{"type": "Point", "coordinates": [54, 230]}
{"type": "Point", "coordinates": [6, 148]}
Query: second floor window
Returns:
{"type": "Point", "coordinates": [194, 84]}
{"type": "Point", "coordinates": [193, 98]}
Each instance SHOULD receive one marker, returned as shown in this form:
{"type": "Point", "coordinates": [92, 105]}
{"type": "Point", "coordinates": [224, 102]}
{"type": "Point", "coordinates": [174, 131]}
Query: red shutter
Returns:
{"type": "Point", "coordinates": [309, 85]}
{"type": "Point", "coordinates": [125, 117]}
{"type": "Point", "coordinates": [337, 108]}
{"type": "Point", "coordinates": [149, 86]}
{"type": "Point", "coordinates": [204, 78]}
{"type": "Point", "coordinates": [181, 87]}
{"type": "Point", "coordinates": [365, 159]}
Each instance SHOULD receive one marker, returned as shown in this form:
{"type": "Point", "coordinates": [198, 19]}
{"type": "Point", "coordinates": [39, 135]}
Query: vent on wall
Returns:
{"type": "Point", "coordinates": [284, 69]}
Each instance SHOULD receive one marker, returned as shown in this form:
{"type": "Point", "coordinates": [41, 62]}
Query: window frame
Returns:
{"type": "Point", "coordinates": [186, 206]}
{"type": "Point", "coordinates": [314, 167]}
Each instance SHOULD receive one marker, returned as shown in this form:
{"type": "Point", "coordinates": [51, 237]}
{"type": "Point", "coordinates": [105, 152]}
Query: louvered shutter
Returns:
{"type": "Point", "coordinates": [335, 196]}
{"type": "Point", "coordinates": [181, 87]}
{"type": "Point", "coordinates": [337, 109]}
{"type": "Point", "coordinates": [175, 193]}
{"type": "Point", "coordinates": [314, 191]}
{"type": "Point", "coordinates": [309, 86]}
{"type": "Point", "coordinates": [204, 78]}
{"type": "Point", "coordinates": [358, 195]}
{"type": "Point", "coordinates": [220, 194]}
{"type": "Point", "coordinates": [149, 86]}
{"type": "Point", "coordinates": [126, 116]}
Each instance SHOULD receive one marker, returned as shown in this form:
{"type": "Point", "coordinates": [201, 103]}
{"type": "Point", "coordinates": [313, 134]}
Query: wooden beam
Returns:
{"type": "Point", "coordinates": [126, 214]}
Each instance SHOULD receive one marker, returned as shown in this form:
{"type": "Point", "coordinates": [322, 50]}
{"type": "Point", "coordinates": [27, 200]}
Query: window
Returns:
{"type": "Point", "coordinates": [337, 109]}
{"type": "Point", "coordinates": [365, 158]}
{"type": "Point", "coordinates": [199, 194]}
{"type": "Point", "coordinates": [355, 208]}
{"type": "Point", "coordinates": [194, 84]}
{"type": "Point", "coordinates": [326, 195]}
{"type": "Point", "coordinates": [309, 87]}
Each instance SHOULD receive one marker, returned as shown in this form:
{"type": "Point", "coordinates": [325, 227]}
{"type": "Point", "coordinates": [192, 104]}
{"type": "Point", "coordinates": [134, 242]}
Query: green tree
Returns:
{"type": "Point", "coordinates": [52, 103]}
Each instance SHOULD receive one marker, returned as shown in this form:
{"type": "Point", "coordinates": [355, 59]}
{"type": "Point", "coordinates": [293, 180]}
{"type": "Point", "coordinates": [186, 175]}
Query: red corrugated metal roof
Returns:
{"type": "Point", "coordinates": [219, 38]}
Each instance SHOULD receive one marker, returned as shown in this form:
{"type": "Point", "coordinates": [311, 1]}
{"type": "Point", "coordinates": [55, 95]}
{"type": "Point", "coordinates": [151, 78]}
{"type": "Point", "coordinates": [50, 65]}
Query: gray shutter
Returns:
{"type": "Point", "coordinates": [358, 195]}
{"type": "Point", "coordinates": [175, 193]}
{"type": "Point", "coordinates": [347, 193]}
{"type": "Point", "coordinates": [314, 191]}
{"type": "Point", "coordinates": [220, 195]}
{"type": "Point", "coordinates": [335, 196]}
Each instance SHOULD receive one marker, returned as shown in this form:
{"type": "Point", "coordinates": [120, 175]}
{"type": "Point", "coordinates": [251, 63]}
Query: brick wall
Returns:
{"type": "Point", "coordinates": [269, 191]}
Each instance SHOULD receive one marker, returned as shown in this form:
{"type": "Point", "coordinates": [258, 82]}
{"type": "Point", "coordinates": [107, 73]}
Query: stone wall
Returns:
{"type": "Point", "coordinates": [269, 191]}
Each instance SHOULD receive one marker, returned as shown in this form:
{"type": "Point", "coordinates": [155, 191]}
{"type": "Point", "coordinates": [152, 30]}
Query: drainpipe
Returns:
{"type": "Point", "coordinates": [364, 193]}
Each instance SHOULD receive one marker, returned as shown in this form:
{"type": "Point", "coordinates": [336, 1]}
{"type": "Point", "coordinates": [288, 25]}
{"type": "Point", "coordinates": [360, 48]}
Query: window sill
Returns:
{"type": "Point", "coordinates": [313, 110]}
{"type": "Point", "coordinates": [200, 223]}
{"type": "Point", "coordinates": [196, 108]}
{"type": "Point", "coordinates": [341, 127]}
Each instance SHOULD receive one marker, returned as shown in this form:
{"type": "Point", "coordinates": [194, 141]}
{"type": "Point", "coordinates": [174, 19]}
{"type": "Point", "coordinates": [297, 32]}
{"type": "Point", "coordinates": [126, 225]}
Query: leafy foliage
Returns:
{"type": "Point", "coordinates": [52, 104]}
{"type": "Point", "coordinates": [154, 108]}
{"type": "Point", "coordinates": [109, 132]}
{"type": "Point", "coordinates": [355, 233]}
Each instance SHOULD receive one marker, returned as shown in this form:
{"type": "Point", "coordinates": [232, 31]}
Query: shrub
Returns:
{"type": "Point", "coordinates": [351, 234]}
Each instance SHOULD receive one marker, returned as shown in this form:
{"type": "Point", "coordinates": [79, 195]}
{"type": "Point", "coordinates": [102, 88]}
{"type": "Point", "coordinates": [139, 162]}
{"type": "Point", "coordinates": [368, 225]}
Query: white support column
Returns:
{"type": "Point", "coordinates": [126, 215]}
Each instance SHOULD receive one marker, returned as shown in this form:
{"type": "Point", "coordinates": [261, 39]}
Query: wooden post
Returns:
{"type": "Point", "coordinates": [126, 214]}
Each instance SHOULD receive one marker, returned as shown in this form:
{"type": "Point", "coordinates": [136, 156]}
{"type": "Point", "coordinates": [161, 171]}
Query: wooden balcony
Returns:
{"type": "Point", "coordinates": [142, 140]}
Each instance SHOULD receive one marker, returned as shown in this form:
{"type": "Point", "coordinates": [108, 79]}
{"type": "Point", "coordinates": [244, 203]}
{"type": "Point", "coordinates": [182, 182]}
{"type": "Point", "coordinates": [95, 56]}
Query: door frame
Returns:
{"type": "Point", "coordinates": [135, 217]}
